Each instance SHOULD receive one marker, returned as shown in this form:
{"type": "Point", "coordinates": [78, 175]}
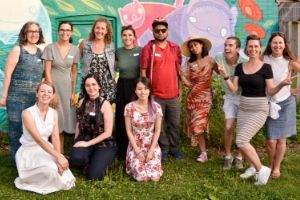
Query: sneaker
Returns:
{"type": "Point", "coordinates": [202, 157]}
{"type": "Point", "coordinates": [248, 173]}
{"type": "Point", "coordinates": [228, 163]}
{"type": "Point", "coordinates": [238, 163]}
{"type": "Point", "coordinates": [164, 156]}
{"type": "Point", "coordinates": [263, 176]}
{"type": "Point", "coordinates": [177, 154]}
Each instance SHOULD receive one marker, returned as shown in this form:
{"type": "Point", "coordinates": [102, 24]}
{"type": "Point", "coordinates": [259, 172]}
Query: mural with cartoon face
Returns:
{"type": "Point", "coordinates": [214, 20]}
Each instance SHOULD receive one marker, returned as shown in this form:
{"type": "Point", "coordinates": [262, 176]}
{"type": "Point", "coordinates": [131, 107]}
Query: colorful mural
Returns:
{"type": "Point", "coordinates": [214, 19]}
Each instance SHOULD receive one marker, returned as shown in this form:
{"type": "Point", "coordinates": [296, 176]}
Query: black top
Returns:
{"type": "Point", "coordinates": [254, 85]}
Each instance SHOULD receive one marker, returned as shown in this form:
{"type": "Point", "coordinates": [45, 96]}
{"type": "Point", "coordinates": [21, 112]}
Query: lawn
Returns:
{"type": "Point", "coordinates": [185, 179]}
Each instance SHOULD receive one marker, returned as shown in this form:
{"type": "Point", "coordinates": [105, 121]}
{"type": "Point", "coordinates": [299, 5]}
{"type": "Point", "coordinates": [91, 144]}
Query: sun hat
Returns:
{"type": "Point", "coordinates": [158, 21]}
{"type": "Point", "coordinates": [185, 50]}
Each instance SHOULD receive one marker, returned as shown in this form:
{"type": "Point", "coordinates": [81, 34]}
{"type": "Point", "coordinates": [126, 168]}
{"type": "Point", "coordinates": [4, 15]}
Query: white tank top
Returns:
{"type": "Point", "coordinates": [280, 68]}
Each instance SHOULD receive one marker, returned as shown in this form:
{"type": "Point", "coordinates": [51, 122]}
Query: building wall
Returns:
{"type": "Point", "coordinates": [214, 19]}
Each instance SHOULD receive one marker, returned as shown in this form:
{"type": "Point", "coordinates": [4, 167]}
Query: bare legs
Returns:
{"type": "Point", "coordinates": [228, 137]}
{"type": "Point", "coordinates": [202, 144]}
{"type": "Point", "coordinates": [276, 150]}
{"type": "Point", "coordinates": [251, 155]}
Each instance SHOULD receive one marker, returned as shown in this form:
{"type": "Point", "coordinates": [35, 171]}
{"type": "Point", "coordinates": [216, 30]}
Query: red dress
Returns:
{"type": "Point", "coordinates": [199, 101]}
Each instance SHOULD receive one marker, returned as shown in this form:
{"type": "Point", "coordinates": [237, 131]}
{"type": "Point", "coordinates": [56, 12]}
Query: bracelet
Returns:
{"type": "Point", "coordinates": [226, 78]}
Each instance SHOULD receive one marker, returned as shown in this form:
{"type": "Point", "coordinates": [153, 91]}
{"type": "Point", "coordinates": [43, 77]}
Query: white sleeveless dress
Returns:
{"type": "Point", "coordinates": [37, 169]}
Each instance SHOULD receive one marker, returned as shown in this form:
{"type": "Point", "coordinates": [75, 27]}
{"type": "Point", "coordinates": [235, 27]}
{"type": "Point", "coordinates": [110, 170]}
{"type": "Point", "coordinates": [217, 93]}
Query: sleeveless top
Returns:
{"type": "Point", "coordinates": [45, 127]}
{"type": "Point", "coordinates": [91, 122]}
{"type": "Point", "coordinates": [26, 77]}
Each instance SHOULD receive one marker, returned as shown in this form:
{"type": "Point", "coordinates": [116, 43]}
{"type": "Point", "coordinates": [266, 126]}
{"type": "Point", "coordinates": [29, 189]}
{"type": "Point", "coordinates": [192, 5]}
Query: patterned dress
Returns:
{"type": "Point", "coordinates": [99, 66]}
{"type": "Point", "coordinates": [199, 101]}
{"type": "Point", "coordinates": [143, 130]}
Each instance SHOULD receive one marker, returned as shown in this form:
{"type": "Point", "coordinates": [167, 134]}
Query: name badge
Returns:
{"type": "Point", "coordinates": [195, 65]}
{"type": "Point", "coordinates": [71, 57]}
{"type": "Point", "coordinates": [92, 113]}
{"type": "Point", "coordinates": [38, 60]}
{"type": "Point", "coordinates": [136, 54]}
{"type": "Point", "coordinates": [157, 55]}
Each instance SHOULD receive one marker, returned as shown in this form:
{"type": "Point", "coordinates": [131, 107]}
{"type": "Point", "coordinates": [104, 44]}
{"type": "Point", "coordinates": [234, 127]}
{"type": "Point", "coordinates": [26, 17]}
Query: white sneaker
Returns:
{"type": "Point", "coordinates": [248, 173]}
{"type": "Point", "coordinates": [202, 157]}
{"type": "Point", "coordinates": [263, 176]}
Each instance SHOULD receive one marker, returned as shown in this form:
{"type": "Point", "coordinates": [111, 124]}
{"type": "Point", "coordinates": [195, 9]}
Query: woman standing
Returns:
{"type": "Point", "coordinates": [127, 62]}
{"type": "Point", "coordinates": [60, 60]}
{"type": "Point", "coordinates": [23, 73]}
{"type": "Point", "coordinates": [94, 148]}
{"type": "Point", "coordinates": [41, 166]}
{"type": "Point", "coordinates": [143, 119]}
{"type": "Point", "coordinates": [255, 79]}
{"type": "Point", "coordinates": [279, 55]}
{"type": "Point", "coordinates": [199, 99]}
{"type": "Point", "coordinates": [98, 54]}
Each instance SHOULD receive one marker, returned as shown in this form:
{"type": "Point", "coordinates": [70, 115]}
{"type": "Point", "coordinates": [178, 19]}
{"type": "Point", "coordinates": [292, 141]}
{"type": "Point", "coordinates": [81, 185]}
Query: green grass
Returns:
{"type": "Point", "coordinates": [186, 179]}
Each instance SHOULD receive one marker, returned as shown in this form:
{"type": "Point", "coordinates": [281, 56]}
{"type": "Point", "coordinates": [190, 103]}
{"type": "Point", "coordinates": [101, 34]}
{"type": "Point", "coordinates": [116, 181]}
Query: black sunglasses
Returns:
{"type": "Point", "coordinates": [164, 30]}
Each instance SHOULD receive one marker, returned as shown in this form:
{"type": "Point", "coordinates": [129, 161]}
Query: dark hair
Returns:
{"type": "Point", "coordinates": [236, 39]}
{"type": "Point", "coordinates": [151, 108]}
{"type": "Point", "coordinates": [94, 76]}
{"type": "Point", "coordinates": [204, 52]}
{"type": "Point", "coordinates": [108, 36]}
{"type": "Point", "coordinates": [129, 27]}
{"type": "Point", "coordinates": [251, 37]}
{"type": "Point", "coordinates": [24, 30]}
{"type": "Point", "coordinates": [66, 22]}
{"type": "Point", "coordinates": [287, 52]}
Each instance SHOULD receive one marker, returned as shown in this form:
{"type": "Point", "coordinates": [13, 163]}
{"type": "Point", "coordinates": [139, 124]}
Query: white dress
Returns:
{"type": "Point", "coordinates": [37, 169]}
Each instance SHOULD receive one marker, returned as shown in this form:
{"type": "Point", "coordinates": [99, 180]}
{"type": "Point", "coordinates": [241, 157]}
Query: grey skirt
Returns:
{"type": "Point", "coordinates": [285, 125]}
{"type": "Point", "coordinates": [252, 115]}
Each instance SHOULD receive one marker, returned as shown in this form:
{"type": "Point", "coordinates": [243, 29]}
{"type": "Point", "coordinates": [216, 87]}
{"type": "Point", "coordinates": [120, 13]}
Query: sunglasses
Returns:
{"type": "Point", "coordinates": [164, 30]}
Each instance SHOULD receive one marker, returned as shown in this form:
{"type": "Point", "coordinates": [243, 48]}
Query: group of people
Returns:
{"type": "Point", "coordinates": [147, 97]}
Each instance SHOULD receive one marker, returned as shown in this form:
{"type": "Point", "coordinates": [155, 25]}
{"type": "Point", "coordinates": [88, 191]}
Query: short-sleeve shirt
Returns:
{"type": "Point", "coordinates": [163, 74]}
{"type": "Point", "coordinates": [254, 85]}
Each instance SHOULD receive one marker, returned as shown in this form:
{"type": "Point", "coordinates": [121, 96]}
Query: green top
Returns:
{"type": "Point", "coordinates": [220, 58]}
{"type": "Point", "coordinates": [128, 62]}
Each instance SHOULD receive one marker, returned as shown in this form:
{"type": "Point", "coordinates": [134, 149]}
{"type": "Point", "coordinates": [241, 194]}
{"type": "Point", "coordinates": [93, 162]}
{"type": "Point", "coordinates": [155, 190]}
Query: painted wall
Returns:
{"type": "Point", "coordinates": [214, 19]}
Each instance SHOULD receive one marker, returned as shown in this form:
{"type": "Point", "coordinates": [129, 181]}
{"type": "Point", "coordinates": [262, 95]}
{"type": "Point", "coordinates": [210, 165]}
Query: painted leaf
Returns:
{"type": "Point", "coordinates": [255, 30]}
{"type": "Point", "coordinates": [76, 32]}
{"type": "Point", "coordinates": [93, 4]}
{"type": "Point", "coordinates": [250, 9]}
{"type": "Point", "coordinates": [268, 23]}
{"type": "Point", "coordinates": [50, 11]}
{"type": "Point", "coordinates": [65, 6]}
{"type": "Point", "coordinates": [112, 10]}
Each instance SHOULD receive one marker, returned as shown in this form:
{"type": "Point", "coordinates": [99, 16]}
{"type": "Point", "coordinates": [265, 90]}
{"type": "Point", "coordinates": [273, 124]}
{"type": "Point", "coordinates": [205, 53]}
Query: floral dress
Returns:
{"type": "Point", "coordinates": [199, 101]}
{"type": "Point", "coordinates": [143, 130]}
{"type": "Point", "coordinates": [99, 66]}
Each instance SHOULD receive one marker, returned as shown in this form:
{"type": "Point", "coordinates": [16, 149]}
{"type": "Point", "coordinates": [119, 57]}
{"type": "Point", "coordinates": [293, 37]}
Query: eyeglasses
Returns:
{"type": "Point", "coordinates": [33, 32]}
{"type": "Point", "coordinates": [65, 30]}
{"type": "Point", "coordinates": [164, 30]}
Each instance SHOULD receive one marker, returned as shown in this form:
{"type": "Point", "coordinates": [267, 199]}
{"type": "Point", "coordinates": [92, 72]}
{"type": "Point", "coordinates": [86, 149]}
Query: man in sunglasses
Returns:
{"type": "Point", "coordinates": [160, 61]}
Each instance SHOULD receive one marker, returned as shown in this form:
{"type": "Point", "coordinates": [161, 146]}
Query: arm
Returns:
{"type": "Point", "coordinates": [138, 152]}
{"type": "Point", "coordinates": [74, 80]}
{"type": "Point", "coordinates": [143, 72]}
{"type": "Point", "coordinates": [156, 134]}
{"type": "Point", "coordinates": [48, 66]}
{"type": "Point", "coordinates": [29, 124]}
{"type": "Point", "coordinates": [11, 63]}
{"type": "Point", "coordinates": [272, 90]}
{"type": "Point", "coordinates": [108, 126]}
{"type": "Point", "coordinates": [232, 85]}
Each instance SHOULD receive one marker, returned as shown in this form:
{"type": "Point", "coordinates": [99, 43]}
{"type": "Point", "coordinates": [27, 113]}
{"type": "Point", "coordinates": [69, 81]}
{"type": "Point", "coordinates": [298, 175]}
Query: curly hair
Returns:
{"type": "Point", "coordinates": [24, 31]}
{"type": "Point", "coordinates": [108, 36]}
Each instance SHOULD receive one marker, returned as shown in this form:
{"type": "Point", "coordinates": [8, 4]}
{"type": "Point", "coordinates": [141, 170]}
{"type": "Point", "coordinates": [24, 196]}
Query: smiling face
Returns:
{"type": "Point", "coordinates": [277, 45]}
{"type": "Point", "coordinates": [65, 32]}
{"type": "Point", "coordinates": [128, 38]}
{"type": "Point", "coordinates": [92, 87]}
{"type": "Point", "coordinates": [230, 49]}
{"type": "Point", "coordinates": [253, 48]}
{"type": "Point", "coordinates": [141, 91]}
{"type": "Point", "coordinates": [33, 34]}
{"type": "Point", "coordinates": [100, 30]}
{"type": "Point", "coordinates": [44, 94]}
